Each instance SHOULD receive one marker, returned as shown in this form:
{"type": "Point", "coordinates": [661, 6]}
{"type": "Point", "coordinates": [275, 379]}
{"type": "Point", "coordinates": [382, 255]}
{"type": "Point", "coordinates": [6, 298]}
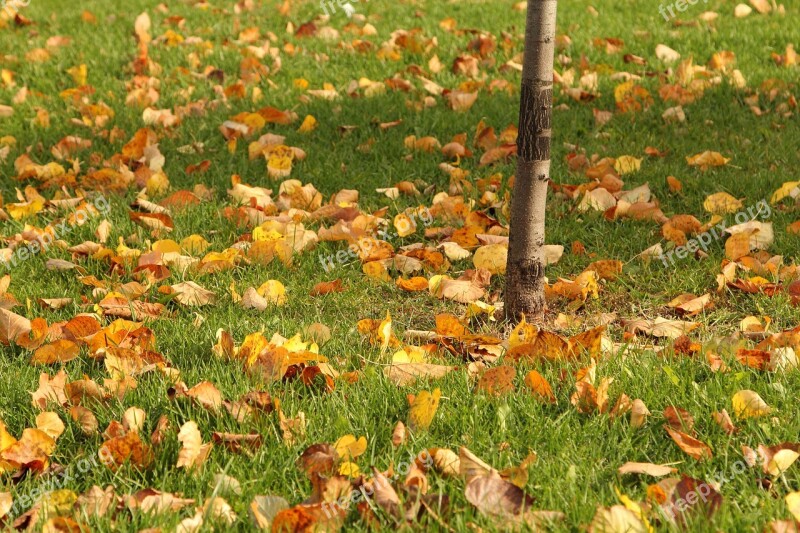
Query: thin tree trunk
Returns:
{"type": "Point", "coordinates": [525, 269]}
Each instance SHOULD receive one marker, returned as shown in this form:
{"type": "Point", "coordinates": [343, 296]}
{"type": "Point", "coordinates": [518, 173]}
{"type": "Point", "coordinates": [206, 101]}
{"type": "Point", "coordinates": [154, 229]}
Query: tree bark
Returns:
{"type": "Point", "coordinates": [524, 293]}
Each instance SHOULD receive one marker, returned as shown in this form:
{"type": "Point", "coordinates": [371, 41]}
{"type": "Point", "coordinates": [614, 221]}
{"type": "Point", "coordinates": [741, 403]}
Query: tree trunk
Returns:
{"type": "Point", "coordinates": [525, 268]}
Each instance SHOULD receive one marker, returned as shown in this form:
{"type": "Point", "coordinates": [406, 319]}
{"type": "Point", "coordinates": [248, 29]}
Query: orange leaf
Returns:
{"type": "Point", "coordinates": [691, 446]}
{"type": "Point", "coordinates": [59, 351]}
{"type": "Point", "coordinates": [415, 284]}
{"type": "Point", "coordinates": [128, 448]}
{"type": "Point", "coordinates": [539, 386]}
{"type": "Point", "coordinates": [327, 287]}
{"type": "Point", "coordinates": [498, 381]}
{"type": "Point", "coordinates": [449, 325]}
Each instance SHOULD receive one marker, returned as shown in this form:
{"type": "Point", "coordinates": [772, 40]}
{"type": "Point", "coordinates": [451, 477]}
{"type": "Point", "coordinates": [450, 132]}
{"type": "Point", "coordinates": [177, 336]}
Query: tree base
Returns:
{"type": "Point", "coordinates": [524, 291]}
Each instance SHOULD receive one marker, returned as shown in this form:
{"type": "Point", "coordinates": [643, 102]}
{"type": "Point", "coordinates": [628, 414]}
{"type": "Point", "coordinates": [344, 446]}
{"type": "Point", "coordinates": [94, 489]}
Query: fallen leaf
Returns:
{"type": "Point", "coordinates": [193, 452]}
{"type": "Point", "coordinates": [423, 409]}
{"type": "Point", "coordinates": [691, 446]}
{"type": "Point", "coordinates": [748, 404]}
{"type": "Point", "coordinates": [646, 468]}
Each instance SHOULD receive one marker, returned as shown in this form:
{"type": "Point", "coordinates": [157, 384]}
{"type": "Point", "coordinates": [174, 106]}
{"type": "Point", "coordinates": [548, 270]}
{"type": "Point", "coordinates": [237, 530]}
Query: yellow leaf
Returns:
{"type": "Point", "coordinates": [781, 461]}
{"type": "Point", "coordinates": [78, 74]}
{"type": "Point", "coordinates": [166, 246]}
{"type": "Point", "coordinates": [348, 447]}
{"type": "Point", "coordinates": [492, 257]}
{"type": "Point", "coordinates": [790, 188]}
{"type": "Point", "coordinates": [626, 164]}
{"type": "Point", "coordinates": [261, 234]}
{"type": "Point", "coordinates": [747, 404]}
{"type": "Point", "coordinates": [411, 354]}
{"type": "Point", "coordinates": [157, 184]}
{"type": "Point", "coordinates": [524, 333]}
{"type": "Point", "coordinates": [309, 124]}
{"type": "Point", "coordinates": [279, 166]}
{"type": "Point", "coordinates": [51, 424]}
{"type": "Point", "coordinates": [273, 291]}
{"type": "Point", "coordinates": [707, 159]}
{"type": "Point", "coordinates": [24, 209]}
{"type": "Point", "coordinates": [793, 504]}
{"type": "Point", "coordinates": [722, 203]}
{"type": "Point", "coordinates": [385, 332]}
{"type": "Point", "coordinates": [423, 409]}
{"type": "Point", "coordinates": [349, 469]}
{"type": "Point", "coordinates": [376, 270]}
{"type": "Point", "coordinates": [404, 225]}
{"type": "Point", "coordinates": [194, 244]}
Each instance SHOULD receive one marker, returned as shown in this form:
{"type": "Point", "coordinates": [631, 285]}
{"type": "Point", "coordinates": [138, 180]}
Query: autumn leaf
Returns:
{"type": "Point", "coordinates": [408, 373]}
{"type": "Point", "coordinates": [539, 386]}
{"type": "Point", "coordinates": [748, 404]}
{"type": "Point", "coordinates": [423, 409]}
{"type": "Point", "coordinates": [12, 326]}
{"type": "Point", "coordinates": [191, 294]}
{"type": "Point", "coordinates": [349, 447]}
{"type": "Point", "coordinates": [722, 203]}
{"type": "Point", "coordinates": [646, 468]}
{"type": "Point", "coordinates": [691, 446]}
{"type": "Point", "coordinates": [60, 351]}
{"type": "Point", "coordinates": [128, 448]}
{"type": "Point", "coordinates": [498, 381]}
{"type": "Point", "coordinates": [193, 452]}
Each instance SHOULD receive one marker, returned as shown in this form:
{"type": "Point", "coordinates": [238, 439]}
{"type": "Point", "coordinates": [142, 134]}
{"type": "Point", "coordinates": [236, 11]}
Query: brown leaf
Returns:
{"type": "Point", "coordinates": [32, 451]}
{"type": "Point", "coordinates": [50, 390]}
{"type": "Point", "coordinates": [539, 386]}
{"type": "Point", "coordinates": [724, 420]}
{"type": "Point", "coordinates": [408, 373]}
{"type": "Point", "coordinates": [493, 496]}
{"type": "Point", "coordinates": [498, 381]}
{"type": "Point", "coordinates": [206, 394]}
{"type": "Point", "coordinates": [191, 294]}
{"type": "Point", "coordinates": [263, 510]}
{"type": "Point", "coordinates": [85, 419]}
{"type": "Point", "coordinates": [128, 448]}
{"type": "Point", "coordinates": [157, 222]}
{"type": "Point", "coordinates": [12, 326]}
{"type": "Point", "coordinates": [327, 287]}
{"type": "Point", "coordinates": [193, 452]}
{"type": "Point", "coordinates": [646, 468]}
{"type": "Point", "coordinates": [691, 446]}
{"type": "Point", "coordinates": [60, 351]}
{"type": "Point", "coordinates": [679, 419]}
{"type": "Point", "coordinates": [318, 459]}
{"type": "Point", "coordinates": [660, 327]}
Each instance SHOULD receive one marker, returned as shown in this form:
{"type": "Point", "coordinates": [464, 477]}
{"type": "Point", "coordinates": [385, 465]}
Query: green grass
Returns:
{"type": "Point", "coordinates": [577, 454]}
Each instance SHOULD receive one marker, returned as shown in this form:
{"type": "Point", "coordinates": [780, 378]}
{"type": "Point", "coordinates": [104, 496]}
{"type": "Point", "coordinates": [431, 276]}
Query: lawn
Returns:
{"type": "Point", "coordinates": [161, 163]}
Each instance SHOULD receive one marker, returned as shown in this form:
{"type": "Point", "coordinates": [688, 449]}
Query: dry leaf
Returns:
{"type": "Point", "coordinates": [193, 452]}
{"type": "Point", "coordinates": [423, 409]}
{"type": "Point", "coordinates": [748, 404]}
{"type": "Point", "coordinates": [691, 446]}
